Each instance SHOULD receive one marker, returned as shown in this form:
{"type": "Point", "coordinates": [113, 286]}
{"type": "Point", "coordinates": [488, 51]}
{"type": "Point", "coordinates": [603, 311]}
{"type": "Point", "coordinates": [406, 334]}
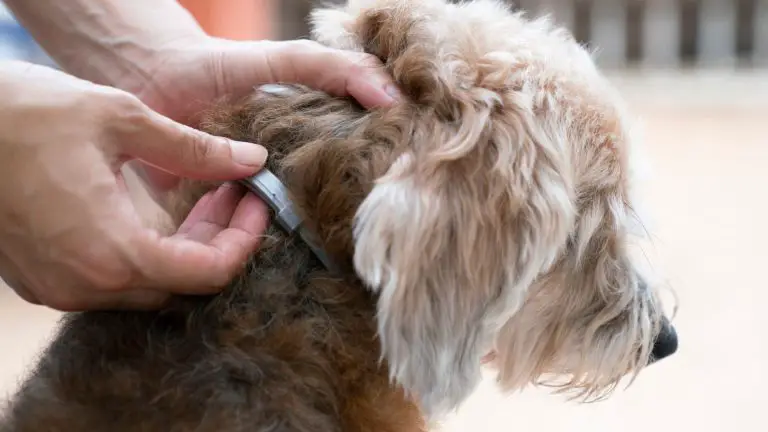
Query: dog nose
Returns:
{"type": "Point", "coordinates": [666, 342]}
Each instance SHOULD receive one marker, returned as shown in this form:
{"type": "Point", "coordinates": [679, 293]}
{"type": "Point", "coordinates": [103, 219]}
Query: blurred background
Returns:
{"type": "Point", "coordinates": [696, 74]}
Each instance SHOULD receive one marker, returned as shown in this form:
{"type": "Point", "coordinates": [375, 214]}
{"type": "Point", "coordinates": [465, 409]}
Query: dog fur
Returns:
{"type": "Point", "coordinates": [492, 211]}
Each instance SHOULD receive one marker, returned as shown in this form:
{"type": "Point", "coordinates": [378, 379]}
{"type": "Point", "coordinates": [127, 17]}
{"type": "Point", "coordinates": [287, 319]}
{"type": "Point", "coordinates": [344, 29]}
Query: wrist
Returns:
{"type": "Point", "coordinates": [108, 41]}
{"type": "Point", "coordinates": [129, 60]}
{"type": "Point", "coordinates": [136, 67]}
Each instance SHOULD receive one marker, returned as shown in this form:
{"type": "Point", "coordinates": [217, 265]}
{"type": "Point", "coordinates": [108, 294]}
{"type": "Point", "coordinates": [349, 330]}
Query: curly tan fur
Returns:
{"type": "Point", "coordinates": [489, 212]}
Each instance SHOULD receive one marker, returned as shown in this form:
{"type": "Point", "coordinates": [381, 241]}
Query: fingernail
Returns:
{"type": "Point", "coordinates": [248, 154]}
{"type": "Point", "coordinates": [393, 91]}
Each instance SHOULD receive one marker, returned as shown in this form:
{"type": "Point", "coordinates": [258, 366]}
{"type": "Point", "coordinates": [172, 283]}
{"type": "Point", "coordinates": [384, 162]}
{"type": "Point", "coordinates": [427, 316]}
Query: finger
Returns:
{"type": "Point", "coordinates": [182, 150]}
{"type": "Point", "coordinates": [197, 213]}
{"type": "Point", "coordinates": [251, 216]}
{"type": "Point", "coordinates": [340, 73]}
{"type": "Point", "coordinates": [367, 92]}
{"type": "Point", "coordinates": [182, 265]}
{"type": "Point", "coordinates": [210, 217]}
{"type": "Point", "coordinates": [336, 72]}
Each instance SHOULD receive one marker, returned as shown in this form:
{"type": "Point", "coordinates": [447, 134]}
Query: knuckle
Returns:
{"type": "Point", "coordinates": [120, 100]}
{"type": "Point", "coordinates": [123, 111]}
{"type": "Point", "coordinates": [203, 148]}
{"type": "Point", "coordinates": [125, 104]}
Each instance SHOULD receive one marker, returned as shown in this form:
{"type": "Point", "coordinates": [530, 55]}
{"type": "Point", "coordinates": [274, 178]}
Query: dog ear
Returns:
{"type": "Point", "coordinates": [476, 204]}
{"type": "Point", "coordinates": [451, 237]}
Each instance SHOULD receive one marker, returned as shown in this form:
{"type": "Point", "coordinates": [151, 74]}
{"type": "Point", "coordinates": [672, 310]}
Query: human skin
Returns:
{"type": "Point", "coordinates": [138, 73]}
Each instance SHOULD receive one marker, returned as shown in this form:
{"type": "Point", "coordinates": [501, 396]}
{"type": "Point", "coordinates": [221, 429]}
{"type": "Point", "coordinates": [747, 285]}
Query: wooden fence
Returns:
{"type": "Point", "coordinates": [640, 33]}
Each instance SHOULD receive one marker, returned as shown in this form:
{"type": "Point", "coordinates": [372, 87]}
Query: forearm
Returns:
{"type": "Point", "coordinates": [105, 41]}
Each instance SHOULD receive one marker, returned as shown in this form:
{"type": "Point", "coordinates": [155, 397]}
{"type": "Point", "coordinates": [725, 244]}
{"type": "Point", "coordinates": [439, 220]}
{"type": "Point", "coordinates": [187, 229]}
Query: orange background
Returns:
{"type": "Point", "coordinates": [236, 19]}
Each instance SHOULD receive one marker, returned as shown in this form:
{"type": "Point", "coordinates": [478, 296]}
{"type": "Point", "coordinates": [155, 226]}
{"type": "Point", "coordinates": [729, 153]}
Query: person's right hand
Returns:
{"type": "Point", "coordinates": [70, 237]}
{"type": "Point", "coordinates": [183, 78]}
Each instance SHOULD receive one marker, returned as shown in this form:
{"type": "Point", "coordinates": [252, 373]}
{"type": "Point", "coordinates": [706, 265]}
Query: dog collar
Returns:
{"type": "Point", "coordinates": [271, 190]}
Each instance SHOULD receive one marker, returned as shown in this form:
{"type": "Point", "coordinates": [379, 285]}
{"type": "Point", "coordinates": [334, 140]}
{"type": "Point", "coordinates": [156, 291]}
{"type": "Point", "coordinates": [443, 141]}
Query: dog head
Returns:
{"type": "Point", "coordinates": [492, 210]}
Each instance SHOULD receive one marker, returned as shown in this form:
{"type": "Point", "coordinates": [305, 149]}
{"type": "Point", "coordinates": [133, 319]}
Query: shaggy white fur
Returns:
{"type": "Point", "coordinates": [506, 225]}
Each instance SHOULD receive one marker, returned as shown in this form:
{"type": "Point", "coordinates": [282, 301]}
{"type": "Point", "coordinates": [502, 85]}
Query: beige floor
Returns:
{"type": "Point", "coordinates": [708, 143]}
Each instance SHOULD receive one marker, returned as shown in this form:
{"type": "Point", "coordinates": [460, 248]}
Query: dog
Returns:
{"type": "Point", "coordinates": [487, 218]}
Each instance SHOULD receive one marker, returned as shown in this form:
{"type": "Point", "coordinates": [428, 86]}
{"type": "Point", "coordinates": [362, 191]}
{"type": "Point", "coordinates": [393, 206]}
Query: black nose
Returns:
{"type": "Point", "coordinates": [666, 342]}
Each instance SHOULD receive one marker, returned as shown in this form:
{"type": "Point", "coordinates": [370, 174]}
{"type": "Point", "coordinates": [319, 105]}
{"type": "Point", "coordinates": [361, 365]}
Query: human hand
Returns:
{"type": "Point", "coordinates": [70, 237]}
{"type": "Point", "coordinates": [190, 73]}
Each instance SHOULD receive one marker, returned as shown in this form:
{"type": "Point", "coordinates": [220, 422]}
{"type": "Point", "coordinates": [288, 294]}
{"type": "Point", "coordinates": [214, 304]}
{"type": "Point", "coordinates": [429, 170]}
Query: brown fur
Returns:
{"type": "Point", "coordinates": [490, 211]}
{"type": "Point", "coordinates": [287, 346]}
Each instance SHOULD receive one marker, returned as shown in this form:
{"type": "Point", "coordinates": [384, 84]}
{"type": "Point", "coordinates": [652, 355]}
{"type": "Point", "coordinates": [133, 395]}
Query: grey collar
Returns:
{"type": "Point", "coordinates": [272, 191]}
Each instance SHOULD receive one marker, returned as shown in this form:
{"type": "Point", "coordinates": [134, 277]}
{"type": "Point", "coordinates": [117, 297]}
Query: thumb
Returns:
{"type": "Point", "coordinates": [336, 72]}
{"type": "Point", "coordinates": [188, 152]}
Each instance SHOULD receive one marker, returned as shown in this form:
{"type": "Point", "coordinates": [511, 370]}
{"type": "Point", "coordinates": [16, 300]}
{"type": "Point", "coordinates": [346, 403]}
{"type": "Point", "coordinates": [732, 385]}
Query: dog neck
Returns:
{"type": "Point", "coordinates": [273, 192]}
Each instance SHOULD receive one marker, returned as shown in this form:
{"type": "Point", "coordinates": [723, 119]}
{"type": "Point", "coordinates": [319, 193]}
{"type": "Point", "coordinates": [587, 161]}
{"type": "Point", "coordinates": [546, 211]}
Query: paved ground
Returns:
{"type": "Point", "coordinates": [707, 141]}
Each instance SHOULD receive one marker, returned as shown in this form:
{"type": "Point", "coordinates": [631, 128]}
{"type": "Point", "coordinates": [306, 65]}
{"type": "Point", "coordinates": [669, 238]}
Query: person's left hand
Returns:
{"type": "Point", "coordinates": [189, 75]}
